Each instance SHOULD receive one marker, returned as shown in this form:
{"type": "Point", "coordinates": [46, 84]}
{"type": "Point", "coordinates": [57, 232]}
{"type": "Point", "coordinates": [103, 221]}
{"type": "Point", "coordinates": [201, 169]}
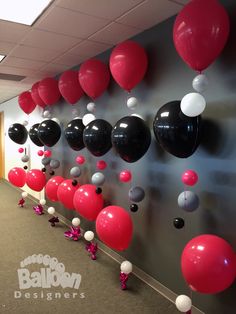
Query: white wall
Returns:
{"type": "Point", "coordinates": [13, 114]}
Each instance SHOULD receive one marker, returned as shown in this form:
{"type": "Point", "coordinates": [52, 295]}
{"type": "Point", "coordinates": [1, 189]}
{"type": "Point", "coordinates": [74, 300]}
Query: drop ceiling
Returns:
{"type": "Point", "coordinates": [68, 33]}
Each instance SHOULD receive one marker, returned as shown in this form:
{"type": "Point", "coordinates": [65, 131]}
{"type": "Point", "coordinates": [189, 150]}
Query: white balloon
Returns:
{"type": "Point", "coordinates": [200, 83]}
{"type": "Point", "coordinates": [46, 114]}
{"type": "Point", "coordinates": [42, 202]}
{"type": "Point", "coordinates": [51, 210]}
{"type": "Point", "coordinates": [126, 267]}
{"type": "Point", "coordinates": [89, 235]}
{"type": "Point", "coordinates": [75, 112]}
{"type": "Point", "coordinates": [56, 120]}
{"type": "Point", "coordinates": [183, 303]}
{"type": "Point", "coordinates": [132, 103]}
{"type": "Point", "coordinates": [91, 107]}
{"type": "Point", "coordinates": [193, 104]}
{"type": "Point", "coordinates": [137, 115]}
{"type": "Point", "coordinates": [76, 222]}
{"type": "Point", "coordinates": [25, 123]}
{"type": "Point", "coordinates": [24, 194]}
{"type": "Point", "coordinates": [89, 117]}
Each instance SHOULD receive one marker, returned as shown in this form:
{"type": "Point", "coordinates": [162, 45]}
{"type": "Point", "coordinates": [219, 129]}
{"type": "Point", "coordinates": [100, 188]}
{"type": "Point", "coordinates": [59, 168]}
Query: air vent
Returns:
{"type": "Point", "coordinates": [11, 77]}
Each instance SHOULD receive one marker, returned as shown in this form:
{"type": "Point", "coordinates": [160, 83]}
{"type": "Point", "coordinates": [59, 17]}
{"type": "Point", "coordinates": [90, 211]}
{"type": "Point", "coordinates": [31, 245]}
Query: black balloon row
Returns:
{"type": "Point", "coordinates": [131, 137]}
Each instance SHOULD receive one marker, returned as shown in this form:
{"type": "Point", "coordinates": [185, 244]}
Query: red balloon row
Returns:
{"type": "Point", "coordinates": [128, 65]}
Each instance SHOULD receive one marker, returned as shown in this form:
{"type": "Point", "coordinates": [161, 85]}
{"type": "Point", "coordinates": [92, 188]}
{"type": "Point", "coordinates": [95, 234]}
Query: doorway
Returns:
{"type": "Point", "coordinates": [2, 147]}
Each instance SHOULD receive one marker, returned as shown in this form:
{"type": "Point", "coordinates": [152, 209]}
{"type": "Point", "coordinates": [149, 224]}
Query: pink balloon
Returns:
{"type": "Point", "coordinates": [17, 176]}
{"type": "Point", "coordinates": [52, 187]}
{"type": "Point", "coordinates": [35, 95]}
{"type": "Point", "coordinates": [125, 176]}
{"type": "Point", "coordinates": [26, 102]}
{"type": "Point", "coordinates": [87, 202]}
{"type": "Point", "coordinates": [200, 32]}
{"type": "Point", "coordinates": [69, 87]}
{"type": "Point", "coordinates": [20, 150]}
{"type": "Point", "coordinates": [94, 77]}
{"type": "Point", "coordinates": [36, 179]}
{"type": "Point", "coordinates": [80, 160]}
{"type": "Point", "coordinates": [114, 227]}
{"type": "Point", "coordinates": [128, 64]}
{"type": "Point", "coordinates": [189, 177]}
{"type": "Point", "coordinates": [48, 90]}
{"type": "Point", "coordinates": [47, 153]}
{"type": "Point", "coordinates": [65, 193]}
{"type": "Point", "coordinates": [208, 264]}
{"type": "Point", "coordinates": [101, 164]}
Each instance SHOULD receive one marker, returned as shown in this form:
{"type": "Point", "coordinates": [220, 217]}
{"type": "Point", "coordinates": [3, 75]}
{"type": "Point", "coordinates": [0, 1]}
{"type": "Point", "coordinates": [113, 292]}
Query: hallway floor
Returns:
{"type": "Point", "coordinates": [24, 234]}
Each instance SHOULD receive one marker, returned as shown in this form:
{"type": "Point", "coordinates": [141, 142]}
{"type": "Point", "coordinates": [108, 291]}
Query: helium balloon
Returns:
{"type": "Point", "coordinates": [200, 83]}
{"type": "Point", "coordinates": [33, 134]}
{"type": "Point", "coordinates": [193, 104]}
{"type": "Point", "coordinates": [17, 177]}
{"type": "Point", "coordinates": [178, 134]}
{"type": "Point", "coordinates": [94, 77]}
{"type": "Point", "coordinates": [46, 161]}
{"type": "Point", "coordinates": [178, 222]}
{"type": "Point", "coordinates": [76, 222]}
{"type": "Point", "coordinates": [101, 164]}
{"type": "Point", "coordinates": [132, 103]}
{"type": "Point", "coordinates": [80, 160]}
{"type": "Point", "coordinates": [49, 132]}
{"type": "Point", "coordinates": [25, 158]}
{"type": "Point", "coordinates": [24, 194]}
{"type": "Point", "coordinates": [128, 64]}
{"type": "Point", "coordinates": [114, 227]}
{"type": "Point", "coordinates": [40, 152]}
{"type": "Point", "coordinates": [188, 201]}
{"type": "Point", "coordinates": [47, 153]}
{"type": "Point", "coordinates": [87, 118]}
{"type": "Point", "coordinates": [136, 194]}
{"type": "Point", "coordinates": [91, 107]}
{"type": "Point", "coordinates": [89, 235]}
{"type": "Point", "coordinates": [47, 114]}
{"type": "Point", "coordinates": [74, 134]}
{"type": "Point", "coordinates": [69, 87]}
{"type": "Point", "coordinates": [126, 267]}
{"type": "Point", "coordinates": [208, 264]}
{"type": "Point", "coordinates": [18, 133]}
{"type": "Point", "coordinates": [65, 193]}
{"type": "Point", "coordinates": [52, 186]}
{"type": "Point", "coordinates": [133, 208]}
{"type": "Point", "coordinates": [48, 91]}
{"type": "Point", "coordinates": [98, 178]}
{"type": "Point", "coordinates": [36, 179]}
{"type": "Point", "coordinates": [21, 150]}
{"type": "Point", "coordinates": [200, 32]}
{"type": "Point", "coordinates": [97, 137]}
{"type": "Point", "coordinates": [125, 176]}
{"type": "Point", "coordinates": [75, 172]}
{"type": "Point", "coordinates": [87, 202]}
{"type": "Point", "coordinates": [51, 210]}
{"type": "Point", "coordinates": [26, 102]}
{"type": "Point", "coordinates": [42, 202]}
{"type": "Point", "coordinates": [189, 177]}
{"type": "Point", "coordinates": [35, 95]}
{"type": "Point", "coordinates": [131, 138]}
{"type": "Point", "coordinates": [183, 303]}
{"type": "Point", "coordinates": [54, 163]}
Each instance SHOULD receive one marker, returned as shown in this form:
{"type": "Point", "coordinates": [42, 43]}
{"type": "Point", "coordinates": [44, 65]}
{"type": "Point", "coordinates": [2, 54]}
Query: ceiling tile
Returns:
{"type": "Point", "coordinates": [180, 1]}
{"type": "Point", "coordinates": [114, 33]}
{"type": "Point", "coordinates": [52, 41]}
{"type": "Point", "coordinates": [109, 9]}
{"type": "Point", "coordinates": [150, 13]}
{"type": "Point", "coordinates": [89, 48]}
{"type": "Point", "coordinates": [14, 70]}
{"type": "Point", "coordinates": [5, 47]}
{"type": "Point", "coordinates": [71, 23]}
{"type": "Point", "coordinates": [12, 32]}
{"type": "Point", "coordinates": [30, 80]}
{"type": "Point", "coordinates": [32, 53]}
{"type": "Point", "coordinates": [69, 59]}
{"type": "Point", "coordinates": [53, 69]}
{"type": "Point", "coordinates": [23, 63]}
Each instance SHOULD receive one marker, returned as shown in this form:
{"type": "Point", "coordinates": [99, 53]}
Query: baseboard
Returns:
{"type": "Point", "coordinates": [150, 281]}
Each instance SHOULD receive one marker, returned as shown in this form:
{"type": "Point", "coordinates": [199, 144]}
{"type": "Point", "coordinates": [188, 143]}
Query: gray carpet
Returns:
{"type": "Point", "coordinates": [23, 234]}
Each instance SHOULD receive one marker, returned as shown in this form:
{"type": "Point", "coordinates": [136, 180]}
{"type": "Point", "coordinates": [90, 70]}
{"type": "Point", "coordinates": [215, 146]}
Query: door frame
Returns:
{"type": "Point", "coordinates": [2, 146]}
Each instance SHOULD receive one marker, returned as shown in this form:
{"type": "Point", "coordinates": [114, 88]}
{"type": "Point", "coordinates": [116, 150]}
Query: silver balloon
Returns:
{"type": "Point", "coordinates": [54, 163]}
{"type": "Point", "coordinates": [98, 178]}
{"type": "Point", "coordinates": [136, 194]}
{"type": "Point", "coordinates": [200, 83]}
{"type": "Point", "coordinates": [46, 161]}
{"type": "Point", "coordinates": [188, 201]}
{"type": "Point", "coordinates": [46, 114]}
{"type": "Point", "coordinates": [91, 107]}
{"type": "Point", "coordinates": [75, 172]}
{"type": "Point", "coordinates": [25, 158]}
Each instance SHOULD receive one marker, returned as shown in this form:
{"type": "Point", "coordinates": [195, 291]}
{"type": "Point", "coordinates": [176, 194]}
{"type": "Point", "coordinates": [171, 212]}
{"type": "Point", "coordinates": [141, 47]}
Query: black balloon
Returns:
{"type": "Point", "coordinates": [18, 133]}
{"type": "Point", "coordinates": [177, 134]}
{"type": "Point", "coordinates": [133, 207]}
{"type": "Point", "coordinates": [131, 138]}
{"type": "Point", "coordinates": [74, 134]}
{"type": "Point", "coordinates": [97, 137]}
{"type": "Point", "coordinates": [33, 134]}
{"type": "Point", "coordinates": [49, 132]}
{"type": "Point", "coordinates": [178, 222]}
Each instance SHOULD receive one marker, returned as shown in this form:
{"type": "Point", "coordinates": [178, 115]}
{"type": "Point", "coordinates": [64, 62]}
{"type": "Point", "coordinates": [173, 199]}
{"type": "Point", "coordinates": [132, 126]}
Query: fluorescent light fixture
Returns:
{"type": "Point", "coordinates": [2, 57]}
{"type": "Point", "coordinates": [22, 11]}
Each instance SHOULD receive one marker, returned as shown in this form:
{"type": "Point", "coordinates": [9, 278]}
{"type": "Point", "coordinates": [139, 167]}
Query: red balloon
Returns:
{"type": "Point", "coordinates": [128, 64]}
{"type": "Point", "coordinates": [48, 90]}
{"type": "Point", "coordinates": [52, 187]}
{"type": "Point", "coordinates": [40, 152]}
{"type": "Point", "coordinates": [200, 32]}
{"type": "Point", "coordinates": [94, 77]}
{"type": "Point", "coordinates": [36, 179]}
{"type": "Point", "coordinates": [69, 87]}
{"type": "Point", "coordinates": [35, 95]}
{"type": "Point", "coordinates": [17, 177]}
{"type": "Point", "coordinates": [125, 176]}
{"type": "Point", "coordinates": [208, 264]}
{"type": "Point", "coordinates": [114, 227]}
{"type": "Point", "coordinates": [20, 150]}
{"type": "Point", "coordinates": [65, 193]}
{"type": "Point", "coordinates": [189, 177]}
{"type": "Point", "coordinates": [26, 102]}
{"type": "Point", "coordinates": [101, 164]}
{"type": "Point", "coordinates": [47, 153]}
{"type": "Point", "coordinates": [80, 160]}
{"type": "Point", "coordinates": [87, 202]}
